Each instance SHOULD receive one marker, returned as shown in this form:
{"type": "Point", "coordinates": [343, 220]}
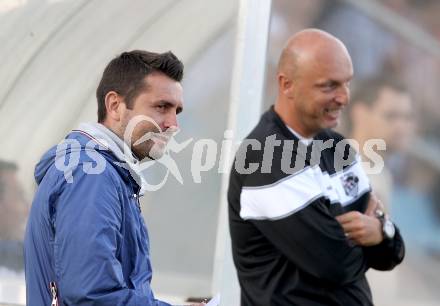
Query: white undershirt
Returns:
{"type": "Point", "coordinates": [304, 140]}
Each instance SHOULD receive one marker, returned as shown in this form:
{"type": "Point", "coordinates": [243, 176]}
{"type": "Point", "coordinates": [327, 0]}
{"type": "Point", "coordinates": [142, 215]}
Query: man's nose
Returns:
{"type": "Point", "coordinates": [343, 95]}
{"type": "Point", "coordinates": [170, 120]}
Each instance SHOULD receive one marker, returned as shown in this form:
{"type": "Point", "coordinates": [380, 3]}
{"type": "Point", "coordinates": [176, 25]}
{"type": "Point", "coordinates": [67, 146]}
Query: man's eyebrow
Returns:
{"type": "Point", "coordinates": [327, 82]}
{"type": "Point", "coordinates": [331, 82]}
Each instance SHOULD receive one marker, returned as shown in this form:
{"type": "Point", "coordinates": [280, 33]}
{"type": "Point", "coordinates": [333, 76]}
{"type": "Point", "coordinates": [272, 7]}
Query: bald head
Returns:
{"type": "Point", "coordinates": [309, 47]}
{"type": "Point", "coordinates": [314, 74]}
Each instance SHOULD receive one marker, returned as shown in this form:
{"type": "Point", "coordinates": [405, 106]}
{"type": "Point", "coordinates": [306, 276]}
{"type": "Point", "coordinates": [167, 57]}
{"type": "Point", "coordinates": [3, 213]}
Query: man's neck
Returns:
{"type": "Point", "coordinates": [290, 120]}
{"type": "Point", "coordinates": [112, 129]}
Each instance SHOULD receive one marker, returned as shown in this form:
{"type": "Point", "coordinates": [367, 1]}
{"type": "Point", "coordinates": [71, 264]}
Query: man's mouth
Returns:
{"type": "Point", "coordinates": [160, 137]}
{"type": "Point", "coordinates": [333, 112]}
{"type": "Point", "coordinates": [161, 142]}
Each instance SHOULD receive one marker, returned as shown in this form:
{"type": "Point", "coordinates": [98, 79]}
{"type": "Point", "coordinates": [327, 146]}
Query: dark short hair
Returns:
{"type": "Point", "coordinates": [367, 91]}
{"type": "Point", "coordinates": [126, 73]}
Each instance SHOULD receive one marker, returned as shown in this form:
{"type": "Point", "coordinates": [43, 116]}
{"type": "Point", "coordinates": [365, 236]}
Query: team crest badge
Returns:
{"type": "Point", "coordinates": [350, 182]}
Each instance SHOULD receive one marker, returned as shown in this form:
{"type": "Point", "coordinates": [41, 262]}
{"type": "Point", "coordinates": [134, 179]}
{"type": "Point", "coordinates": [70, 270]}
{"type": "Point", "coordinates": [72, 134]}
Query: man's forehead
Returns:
{"type": "Point", "coordinates": [163, 88]}
{"type": "Point", "coordinates": [324, 64]}
{"type": "Point", "coordinates": [162, 82]}
{"type": "Point", "coordinates": [330, 71]}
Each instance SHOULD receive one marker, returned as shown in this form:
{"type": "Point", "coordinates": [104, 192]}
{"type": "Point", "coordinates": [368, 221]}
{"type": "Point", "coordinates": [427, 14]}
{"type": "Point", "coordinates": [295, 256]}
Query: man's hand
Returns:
{"type": "Point", "coordinates": [362, 229]}
{"type": "Point", "coordinates": [374, 204]}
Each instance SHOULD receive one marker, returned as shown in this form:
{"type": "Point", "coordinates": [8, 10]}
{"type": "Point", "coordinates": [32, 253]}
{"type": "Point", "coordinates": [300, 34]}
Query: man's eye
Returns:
{"type": "Point", "coordinates": [328, 86]}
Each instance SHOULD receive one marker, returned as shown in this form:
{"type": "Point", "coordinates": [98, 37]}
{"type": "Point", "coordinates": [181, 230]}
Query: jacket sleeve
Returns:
{"type": "Point", "coordinates": [313, 240]}
{"type": "Point", "coordinates": [386, 255]}
{"type": "Point", "coordinates": [87, 234]}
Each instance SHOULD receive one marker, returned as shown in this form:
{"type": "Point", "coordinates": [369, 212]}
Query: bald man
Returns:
{"type": "Point", "coordinates": [304, 227]}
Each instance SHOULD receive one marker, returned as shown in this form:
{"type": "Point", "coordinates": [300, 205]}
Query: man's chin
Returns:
{"type": "Point", "coordinates": [330, 124]}
{"type": "Point", "coordinates": [155, 153]}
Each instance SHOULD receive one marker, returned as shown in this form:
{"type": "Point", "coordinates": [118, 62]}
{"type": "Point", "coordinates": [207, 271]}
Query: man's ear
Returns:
{"type": "Point", "coordinates": [113, 105]}
{"type": "Point", "coordinates": [285, 85]}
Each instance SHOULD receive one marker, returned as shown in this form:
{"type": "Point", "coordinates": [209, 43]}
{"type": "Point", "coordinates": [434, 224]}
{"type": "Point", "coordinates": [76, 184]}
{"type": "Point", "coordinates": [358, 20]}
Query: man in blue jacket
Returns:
{"type": "Point", "coordinates": [86, 242]}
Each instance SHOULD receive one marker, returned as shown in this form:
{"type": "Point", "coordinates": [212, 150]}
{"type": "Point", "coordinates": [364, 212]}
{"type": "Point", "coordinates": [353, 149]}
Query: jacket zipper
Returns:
{"type": "Point", "coordinates": [138, 203]}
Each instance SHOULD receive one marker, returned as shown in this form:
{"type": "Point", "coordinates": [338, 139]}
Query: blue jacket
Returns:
{"type": "Point", "coordinates": [85, 231]}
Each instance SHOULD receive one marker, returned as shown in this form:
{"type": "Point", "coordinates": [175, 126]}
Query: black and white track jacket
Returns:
{"type": "Point", "coordinates": [287, 246]}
